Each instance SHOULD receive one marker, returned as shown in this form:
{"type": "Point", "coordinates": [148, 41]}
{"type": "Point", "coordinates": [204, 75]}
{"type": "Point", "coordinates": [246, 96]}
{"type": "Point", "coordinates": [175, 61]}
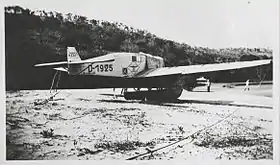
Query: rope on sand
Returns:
{"type": "Point", "coordinates": [191, 135]}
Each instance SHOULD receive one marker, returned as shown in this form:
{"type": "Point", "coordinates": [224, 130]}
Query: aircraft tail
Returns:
{"type": "Point", "coordinates": [72, 55]}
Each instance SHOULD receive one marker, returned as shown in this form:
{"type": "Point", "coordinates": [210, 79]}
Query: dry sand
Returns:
{"type": "Point", "coordinates": [91, 124]}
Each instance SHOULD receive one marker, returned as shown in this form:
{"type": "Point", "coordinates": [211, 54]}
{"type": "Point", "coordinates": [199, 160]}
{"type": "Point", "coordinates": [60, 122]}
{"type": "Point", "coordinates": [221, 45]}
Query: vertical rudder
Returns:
{"type": "Point", "coordinates": [72, 55]}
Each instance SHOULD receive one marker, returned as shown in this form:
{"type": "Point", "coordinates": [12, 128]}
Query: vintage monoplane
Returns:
{"type": "Point", "coordinates": [141, 71]}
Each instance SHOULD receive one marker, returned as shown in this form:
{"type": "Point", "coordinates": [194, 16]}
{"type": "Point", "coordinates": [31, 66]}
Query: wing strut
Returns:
{"type": "Point", "coordinates": [53, 88]}
{"type": "Point", "coordinates": [57, 82]}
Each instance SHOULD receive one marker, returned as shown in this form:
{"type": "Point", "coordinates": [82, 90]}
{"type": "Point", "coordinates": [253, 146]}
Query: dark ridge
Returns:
{"type": "Point", "coordinates": [33, 37]}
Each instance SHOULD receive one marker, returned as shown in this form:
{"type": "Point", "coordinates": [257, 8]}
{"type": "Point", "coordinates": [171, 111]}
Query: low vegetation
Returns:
{"type": "Point", "coordinates": [47, 133]}
{"type": "Point", "coordinates": [123, 145]}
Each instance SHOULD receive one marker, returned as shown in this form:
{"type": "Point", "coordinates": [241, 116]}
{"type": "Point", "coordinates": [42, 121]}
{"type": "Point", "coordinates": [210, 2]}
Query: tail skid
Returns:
{"type": "Point", "coordinates": [72, 55]}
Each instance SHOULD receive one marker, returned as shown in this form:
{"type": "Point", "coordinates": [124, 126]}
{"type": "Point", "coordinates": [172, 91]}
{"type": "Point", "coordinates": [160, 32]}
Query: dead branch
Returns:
{"type": "Point", "coordinates": [19, 117]}
{"type": "Point", "coordinates": [187, 137]}
{"type": "Point", "coordinates": [73, 117]}
{"type": "Point", "coordinates": [42, 123]}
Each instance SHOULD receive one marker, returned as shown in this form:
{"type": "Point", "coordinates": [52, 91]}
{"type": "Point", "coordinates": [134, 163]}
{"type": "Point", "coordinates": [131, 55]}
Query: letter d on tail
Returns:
{"type": "Point", "coordinates": [72, 55]}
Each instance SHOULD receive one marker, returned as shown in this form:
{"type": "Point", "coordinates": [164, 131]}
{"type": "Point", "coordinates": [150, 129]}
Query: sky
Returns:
{"type": "Point", "coordinates": [207, 23]}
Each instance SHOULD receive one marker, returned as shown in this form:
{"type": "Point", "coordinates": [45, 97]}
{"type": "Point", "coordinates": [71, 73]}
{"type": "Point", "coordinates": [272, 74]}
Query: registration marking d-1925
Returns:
{"type": "Point", "coordinates": [101, 68]}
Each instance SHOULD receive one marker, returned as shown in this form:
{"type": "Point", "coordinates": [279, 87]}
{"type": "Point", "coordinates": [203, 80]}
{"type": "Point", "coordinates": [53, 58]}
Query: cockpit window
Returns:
{"type": "Point", "coordinates": [133, 58]}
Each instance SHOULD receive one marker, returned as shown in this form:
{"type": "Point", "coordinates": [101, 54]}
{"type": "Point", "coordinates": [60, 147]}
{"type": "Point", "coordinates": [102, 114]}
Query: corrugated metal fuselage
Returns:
{"type": "Point", "coordinates": [127, 65]}
{"type": "Point", "coordinates": [119, 70]}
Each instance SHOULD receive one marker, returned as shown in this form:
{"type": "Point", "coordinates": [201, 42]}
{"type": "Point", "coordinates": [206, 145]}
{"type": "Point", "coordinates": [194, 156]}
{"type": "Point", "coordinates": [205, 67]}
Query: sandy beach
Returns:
{"type": "Point", "coordinates": [90, 124]}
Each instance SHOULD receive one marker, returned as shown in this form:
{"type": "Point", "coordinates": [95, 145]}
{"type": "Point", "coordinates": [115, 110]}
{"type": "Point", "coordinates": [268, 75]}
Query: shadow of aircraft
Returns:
{"type": "Point", "coordinates": [107, 94]}
{"type": "Point", "coordinates": [173, 103]}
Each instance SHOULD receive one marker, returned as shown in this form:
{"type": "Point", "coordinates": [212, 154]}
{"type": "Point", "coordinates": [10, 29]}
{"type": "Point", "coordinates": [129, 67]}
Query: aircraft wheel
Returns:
{"type": "Point", "coordinates": [164, 95]}
{"type": "Point", "coordinates": [136, 95]}
{"type": "Point", "coordinates": [154, 95]}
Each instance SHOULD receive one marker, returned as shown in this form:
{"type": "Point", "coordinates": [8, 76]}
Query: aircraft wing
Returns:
{"type": "Point", "coordinates": [193, 69]}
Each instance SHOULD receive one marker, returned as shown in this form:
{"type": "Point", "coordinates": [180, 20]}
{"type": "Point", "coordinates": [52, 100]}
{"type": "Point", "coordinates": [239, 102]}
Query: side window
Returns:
{"type": "Point", "coordinates": [124, 70]}
{"type": "Point", "coordinates": [133, 58]}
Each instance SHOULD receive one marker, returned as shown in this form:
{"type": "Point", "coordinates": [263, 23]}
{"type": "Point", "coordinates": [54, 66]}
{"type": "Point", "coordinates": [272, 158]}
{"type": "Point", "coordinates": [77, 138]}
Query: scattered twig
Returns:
{"type": "Point", "coordinates": [84, 151]}
{"type": "Point", "coordinates": [11, 124]}
{"type": "Point", "coordinates": [42, 123]}
{"type": "Point", "coordinates": [12, 113]}
{"type": "Point", "coordinates": [17, 117]}
{"type": "Point", "coordinates": [54, 151]}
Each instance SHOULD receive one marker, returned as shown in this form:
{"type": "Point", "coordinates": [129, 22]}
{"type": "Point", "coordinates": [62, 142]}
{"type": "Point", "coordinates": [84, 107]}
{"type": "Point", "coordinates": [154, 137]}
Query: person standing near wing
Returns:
{"type": "Point", "coordinates": [208, 84]}
{"type": "Point", "coordinates": [114, 91]}
{"type": "Point", "coordinates": [247, 85]}
{"type": "Point", "coordinates": [123, 90]}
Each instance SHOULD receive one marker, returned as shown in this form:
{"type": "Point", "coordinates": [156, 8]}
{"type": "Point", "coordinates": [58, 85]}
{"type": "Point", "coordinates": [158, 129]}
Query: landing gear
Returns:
{"type": "Point", "coordinates": [156, 95]}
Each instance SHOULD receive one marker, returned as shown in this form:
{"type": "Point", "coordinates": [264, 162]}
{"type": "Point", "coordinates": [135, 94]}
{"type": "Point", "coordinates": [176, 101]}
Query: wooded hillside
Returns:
{"type": "Point", "coordinates": [38, 36]}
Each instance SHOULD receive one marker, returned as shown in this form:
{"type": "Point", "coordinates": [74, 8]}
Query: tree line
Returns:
{"type": "Point", "coordinates": [33, 37]}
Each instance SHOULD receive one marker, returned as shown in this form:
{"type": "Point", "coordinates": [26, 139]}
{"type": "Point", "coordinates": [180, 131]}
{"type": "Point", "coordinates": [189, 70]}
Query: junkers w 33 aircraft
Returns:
{"type": "Point", "coordinates": [141, 71]}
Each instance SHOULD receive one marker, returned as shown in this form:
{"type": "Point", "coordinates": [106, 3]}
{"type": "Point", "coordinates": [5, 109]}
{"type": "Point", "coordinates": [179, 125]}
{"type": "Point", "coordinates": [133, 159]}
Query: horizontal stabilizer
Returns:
{"type": "Point", "coordinates": [61, 69]}
{"type": "Point", "coordinates": [52, 64]}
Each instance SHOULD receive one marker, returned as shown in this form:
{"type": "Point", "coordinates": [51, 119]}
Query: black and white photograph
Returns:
{"type": "Point", "coordinates": [140, 81]}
